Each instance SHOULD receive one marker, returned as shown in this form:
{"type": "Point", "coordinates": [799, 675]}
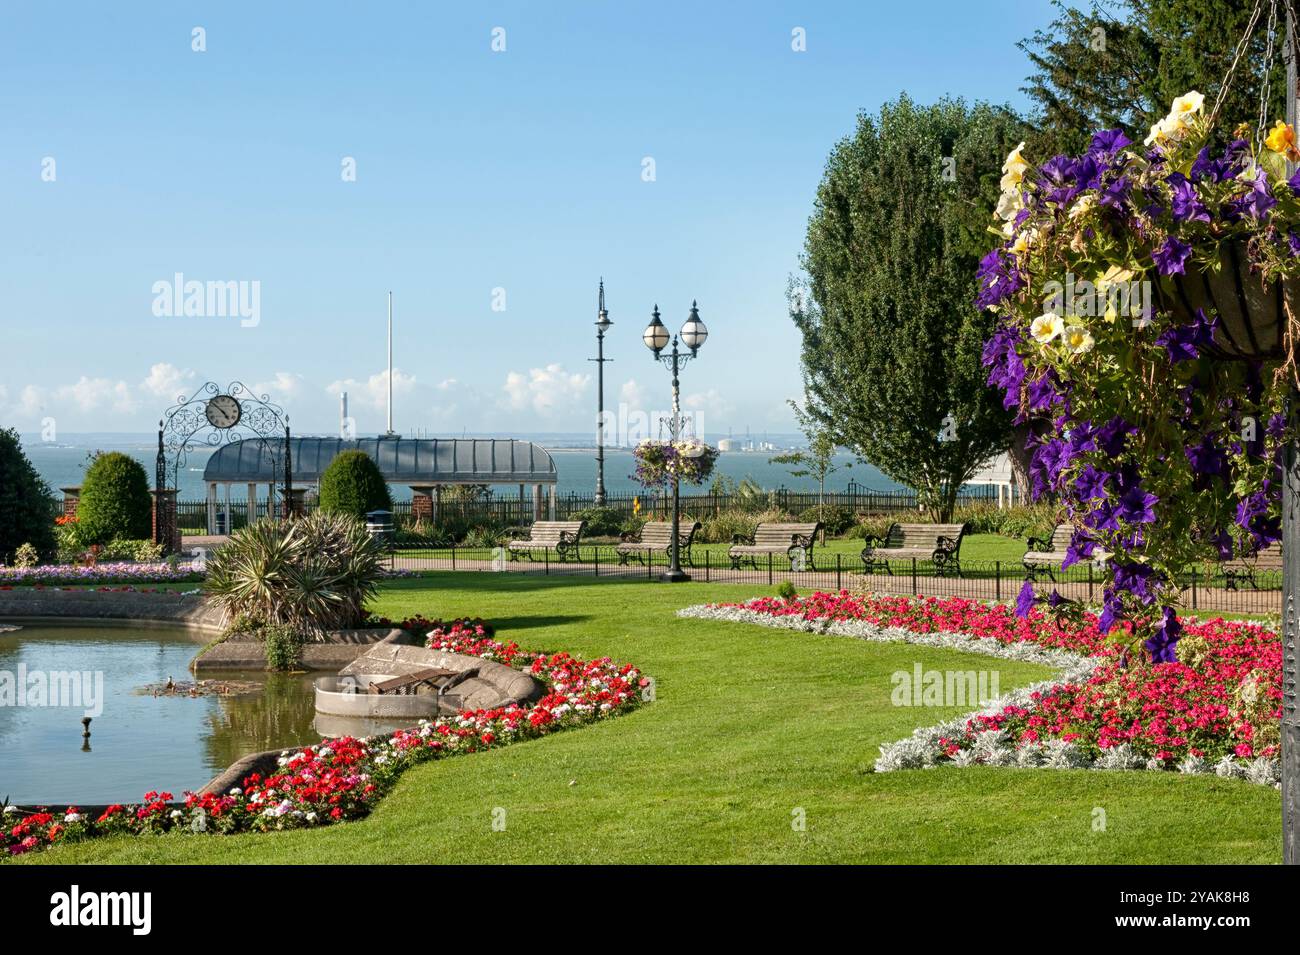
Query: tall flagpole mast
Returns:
{"type": "Point", "coordinates": [390, 363]}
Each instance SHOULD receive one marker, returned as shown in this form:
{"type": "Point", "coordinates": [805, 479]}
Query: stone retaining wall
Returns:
{"type": "Point", "coordinates": [189, 611]}
{"type": "Point", "coordinates": [340, 648]}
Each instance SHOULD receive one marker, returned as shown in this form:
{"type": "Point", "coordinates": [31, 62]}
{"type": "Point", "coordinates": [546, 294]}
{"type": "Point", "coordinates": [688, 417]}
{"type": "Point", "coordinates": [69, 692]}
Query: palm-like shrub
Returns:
{"type": "Point", "coordinates": [313, 573]}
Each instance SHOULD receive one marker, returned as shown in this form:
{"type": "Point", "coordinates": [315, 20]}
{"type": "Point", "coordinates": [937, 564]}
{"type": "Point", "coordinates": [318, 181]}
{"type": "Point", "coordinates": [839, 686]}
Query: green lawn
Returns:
{"type": "Point", "coordinates": [750, 725]}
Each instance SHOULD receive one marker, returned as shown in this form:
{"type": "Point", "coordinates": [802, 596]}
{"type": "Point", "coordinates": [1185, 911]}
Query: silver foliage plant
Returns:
{"type": "Point", "coordinates": [925, 748]}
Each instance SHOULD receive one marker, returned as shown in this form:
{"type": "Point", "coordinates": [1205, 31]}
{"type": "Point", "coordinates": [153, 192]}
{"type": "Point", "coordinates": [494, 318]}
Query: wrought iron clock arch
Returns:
{"type": "Point", "coordinates": [213, 416]}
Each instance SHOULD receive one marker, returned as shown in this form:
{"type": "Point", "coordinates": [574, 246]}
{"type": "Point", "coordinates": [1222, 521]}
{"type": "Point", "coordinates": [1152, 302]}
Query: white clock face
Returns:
{"type": "Point", "coordinates": [223, 411]}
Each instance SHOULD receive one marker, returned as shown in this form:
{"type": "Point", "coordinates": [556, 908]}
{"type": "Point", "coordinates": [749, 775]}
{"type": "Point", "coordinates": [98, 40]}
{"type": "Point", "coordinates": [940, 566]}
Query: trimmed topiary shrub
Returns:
{"type": "Point", "coordinates": [26, 508]}
{"type": "Point", "coordinates": [353, 485]}
{"type": "Point", "coordinates": [115, 500]}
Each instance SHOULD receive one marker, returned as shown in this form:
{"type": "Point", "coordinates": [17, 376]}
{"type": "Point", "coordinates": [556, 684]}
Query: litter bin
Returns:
{"type": "Point", "coordinates": [379, 525]}
{"type": "Point", "coordinates": [223, 524]}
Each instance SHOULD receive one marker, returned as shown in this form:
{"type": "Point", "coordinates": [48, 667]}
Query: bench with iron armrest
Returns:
{"type": "Point", "coordinates": [657, 537]}
{"type": "Point", "coordinates": [795, 541]}
{"type": "Point", "coordinates": [1045, 555]}
{"type": "Point", "coordinates": [938, 543]}
{"type": "Point", "coordinates": [1241, 569]}
{"type": "Point", "coordinates": [561, 537]}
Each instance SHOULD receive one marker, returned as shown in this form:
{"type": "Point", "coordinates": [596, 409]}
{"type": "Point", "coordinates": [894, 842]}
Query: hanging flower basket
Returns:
{"type": "Point", "coordinates": [1148, 298]}
{"type": "Point", "coordinates": [1252, 315]}
{"type": "Point", "coordinates": [657, 462]}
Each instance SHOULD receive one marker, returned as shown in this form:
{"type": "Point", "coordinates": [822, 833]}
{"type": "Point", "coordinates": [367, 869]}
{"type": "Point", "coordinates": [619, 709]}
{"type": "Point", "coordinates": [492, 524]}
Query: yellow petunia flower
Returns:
{"type": "Point", "coordinates": [1187, 105]}
{"type": "Point", "coordinates": [1078, 339]}
{"type": "Point", "coordinates": [1281, 140]}
{"type": "Point", "coordinates": [1046, 327]}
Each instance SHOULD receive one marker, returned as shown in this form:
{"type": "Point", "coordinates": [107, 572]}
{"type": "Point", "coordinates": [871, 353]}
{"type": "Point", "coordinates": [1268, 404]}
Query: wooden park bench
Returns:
{"type": "Point", "coordinates": [1045, 555]}
{"type": "Point", "coordinates": [938, 543]}
{"type": "Point", "coordinates": [656, 537]}
{"type": "Point", "coordinates": [795, 541]}
{"type": "Point", "coordinates": [562, 537]}
{"type": "Point", "coordinates": [1243, 568]}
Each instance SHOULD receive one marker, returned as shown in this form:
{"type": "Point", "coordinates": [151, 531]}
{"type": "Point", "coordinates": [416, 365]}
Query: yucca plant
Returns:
{"type": "Point", "coordinates": [313, 573]}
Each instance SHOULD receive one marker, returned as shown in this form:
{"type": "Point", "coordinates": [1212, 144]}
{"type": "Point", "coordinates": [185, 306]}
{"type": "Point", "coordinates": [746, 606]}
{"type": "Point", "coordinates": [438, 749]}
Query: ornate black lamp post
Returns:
{"type": "Point", "coordinates": [692, 335]}
{"type": "Point", "coordinates": [602, 325]}
{"type": "Point", "coordinates": [1290, 557]}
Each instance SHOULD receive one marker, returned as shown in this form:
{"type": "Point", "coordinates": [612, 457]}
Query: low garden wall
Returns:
{"type": "Point", "coordinates": [340, 647]}
{"type": "Point", "coordinates": [119, 607]}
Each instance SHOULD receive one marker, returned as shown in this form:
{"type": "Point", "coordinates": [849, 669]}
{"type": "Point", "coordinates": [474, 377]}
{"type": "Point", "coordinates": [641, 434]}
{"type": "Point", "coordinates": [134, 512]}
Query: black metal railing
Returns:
{"type": "Point", "coordinates": [1204, 590]}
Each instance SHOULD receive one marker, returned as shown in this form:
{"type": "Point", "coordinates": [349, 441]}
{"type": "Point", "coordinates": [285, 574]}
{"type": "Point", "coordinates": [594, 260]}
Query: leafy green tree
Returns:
{"type": "Point", "coordinates": [115, 500]}
{"type": "Point", "coordinates": [353, 484]}
{"type": "Point", "coordinates": [1120, 63]}
{"type": "Point", "coordinates": [816, 461]}
{"type": "Point", "coordinates": [891, 337]}
{"type": "Point", "coordinates": [26, 504]}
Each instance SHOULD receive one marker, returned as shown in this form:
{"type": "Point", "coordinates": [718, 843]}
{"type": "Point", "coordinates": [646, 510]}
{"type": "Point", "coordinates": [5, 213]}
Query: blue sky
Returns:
{"type": "Point", "coordinates": [482, 178]}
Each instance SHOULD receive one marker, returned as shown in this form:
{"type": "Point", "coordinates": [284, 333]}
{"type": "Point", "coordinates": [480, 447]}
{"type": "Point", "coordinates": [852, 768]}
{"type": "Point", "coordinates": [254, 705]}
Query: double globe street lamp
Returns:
{"type": "Point", "coordinates": [656, 338]}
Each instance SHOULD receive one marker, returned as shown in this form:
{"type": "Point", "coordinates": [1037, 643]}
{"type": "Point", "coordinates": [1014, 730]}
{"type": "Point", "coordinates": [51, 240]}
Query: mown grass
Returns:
{"type": "Point", "coordinates": [751, 727]}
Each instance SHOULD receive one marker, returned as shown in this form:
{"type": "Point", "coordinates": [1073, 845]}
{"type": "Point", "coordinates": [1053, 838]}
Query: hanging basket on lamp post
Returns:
{"type": "Point", "coordinates": [1148, 296]}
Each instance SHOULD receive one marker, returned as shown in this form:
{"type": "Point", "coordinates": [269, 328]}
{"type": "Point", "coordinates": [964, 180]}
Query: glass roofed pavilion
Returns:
{"type": "Point", "coordinates": [422, 464]}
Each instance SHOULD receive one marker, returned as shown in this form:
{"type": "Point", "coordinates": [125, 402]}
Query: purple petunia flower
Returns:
{"type": "Point", "coordinates": [1112, 435]}
{"type": "Point", "coordinates": [1171, 258]}
{"type": "Point", "coordinates": [1025, 601]}
{"type": "Point", "coordinates": [1090, 484]}
{"type": "Point", "coordinates": [1220, 170]}
{"type": "Point", "coordinates": [1112, 608]}
{"type": "Point", "coordinates": [1207, 458]}
{"type": "Point", "coordinates": [1137, 506]}
{"type": "Point", "coordinates": [1186, 205]}
{"type": "Point", "coordinates": [997, 278]}
{"type": "Point", "coordinates": [1185, 342]}
{"type": "Point", "coordinates": [1163, 642]}
{"type": "Point", "coordinates": [1115, 195]}
{"type": "Point", "coordinates": [1044, 391]}
{"type": "Point", "coordinates": [1081, 547]}
{"type": "Point", "coordinates": [1135, 579]}
{"type": "Point", "coordinates": [1256, 203]}
{"type": "Point", "coordinates": [1107, 142]}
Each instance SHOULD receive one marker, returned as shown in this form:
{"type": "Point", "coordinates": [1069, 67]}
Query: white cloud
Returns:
{"type": "Point", "coordinates": [545, 390]}
{"type": "Point", "coordinates": [373, 392]}
{"type": "Point", "coordinates": [283, 386]}
{"type": "Point", "coordinates": [632, 394]}
{"type": "Point", "coordinates": [709, 402]}
{"type": "Point", "coordinates": [167, 381]}
{"type": "Point", "coordinates": [31, 401]}
{"type": "Point", "coordinates": [89, 394]}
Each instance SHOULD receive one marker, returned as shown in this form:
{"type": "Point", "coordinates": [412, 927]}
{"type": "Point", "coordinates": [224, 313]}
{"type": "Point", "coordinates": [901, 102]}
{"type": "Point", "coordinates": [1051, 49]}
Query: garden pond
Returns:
{"type": "Point", "coordinates": [143, 737]}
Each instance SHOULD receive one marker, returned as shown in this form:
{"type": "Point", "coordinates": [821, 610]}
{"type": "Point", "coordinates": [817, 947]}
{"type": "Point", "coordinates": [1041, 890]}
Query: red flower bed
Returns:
{"type": "Point", "coordinates": [342, 779]}
{"type": "Point", "coordinates": [1222, 697]}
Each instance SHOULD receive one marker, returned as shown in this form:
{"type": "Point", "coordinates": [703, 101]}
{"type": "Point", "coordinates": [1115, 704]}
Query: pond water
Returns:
{"type": "Point", "coordinates": [138, 742]}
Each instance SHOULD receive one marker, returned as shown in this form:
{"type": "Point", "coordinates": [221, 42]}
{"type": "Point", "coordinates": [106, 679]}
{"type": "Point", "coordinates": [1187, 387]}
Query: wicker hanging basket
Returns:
{"type": "Point", "coordinates": [1253, 316]}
